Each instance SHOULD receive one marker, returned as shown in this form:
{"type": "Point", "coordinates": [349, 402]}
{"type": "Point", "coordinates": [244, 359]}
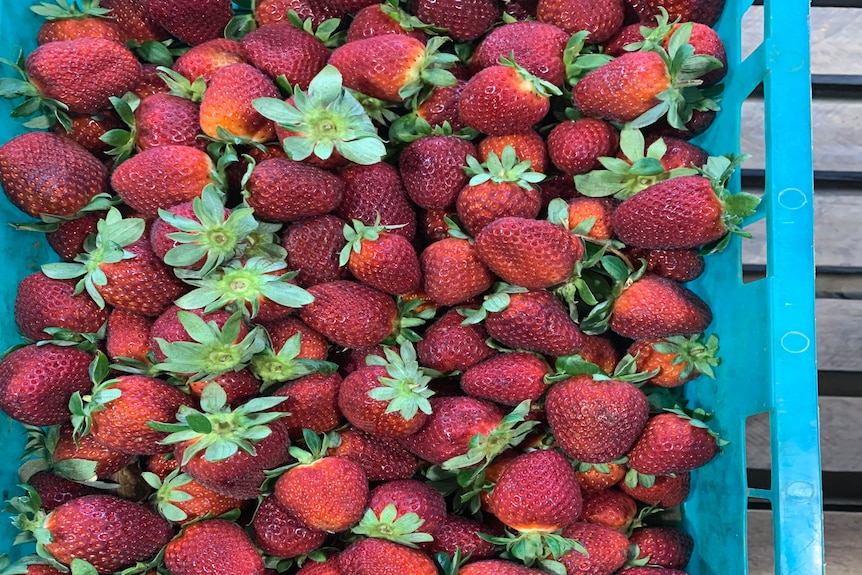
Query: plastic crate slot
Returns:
{"type": "Point", "coordinates": [758, 450]}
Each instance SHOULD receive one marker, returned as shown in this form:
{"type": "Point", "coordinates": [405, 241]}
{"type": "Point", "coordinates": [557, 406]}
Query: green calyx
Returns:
{"type": "Point", "coordinates": [47, 110]}
{"type": "Point", "coordinates": [537, 548]}
{"type": "Point", "coordinates": [501, 169]}
{"type": "Point", "coordinates": [580, 58]}
{"type": "Point", "coordinates": [409, 318]}
{"type": "Point", "coordinates": [566, 367]}
{"type": "Point", "coordinates": [697, 417]}
{"type": "Point", "coordinates": [64, 10]}
{"type": "Point", "coordinates": [325, 119]}
{"type": "Point", "coordinates": [168, 492]}
{"type": "Point", "coordinates": [106, 246]}
{"type": "Point", "coordinates": [405, 387]}
{"type": "Point", "coordinates": [316, 447]}
{"type": "Point", "coordinates": [158, 53]}
{"type": "Point", "coordinates": [357, 232]}
{"type": "Point", "coordinates": [122, 141]}
{"type": "Point", "coordinates": [612, 276]}
{"type": "Point", "coordinates": [539, 86]}
{"type": "Point", "coordinates": [496, 300]}
{"type": "Point", "coordinates": [217, 432]}
{"type": "Point", "coordinates": [403, 530]}
{"type": "Point", "coordinates": [624, 178]}
{"type": "Point", "coordinates": [273, 367]}
{"type": "Point", "coordinates": [212, 237]}
{"type": "Point", "coordinates": [214, 351]}
{"type": "Point", "coordinates": [653, 37]}
{"type": "Point", "coordinates": [431, 69]}
{"type": "Point", "coordinates": [82, 407]}
{"type": "Point", "coordinates": [735, 207]}
{"type": "Point", "coordinates": [241, 284]}
{"type": "Point", "coordinates": [30, 520]}
{"type": "Point", "coordinates": [697, 353]}
{"type": "Point", "coordinates": [39, 456]}
{"type": "Point", "coordinates": [327, 32]}
{"type": "Point", "coordinates": [181, 86]}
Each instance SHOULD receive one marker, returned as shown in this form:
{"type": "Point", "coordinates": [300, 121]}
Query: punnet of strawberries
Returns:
{"type": "Point", "coordinates": [357, 288]}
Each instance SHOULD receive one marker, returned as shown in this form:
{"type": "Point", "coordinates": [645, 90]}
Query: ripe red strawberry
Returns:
{"type": "Point", "coordinates": [42, 302]}
{"type": "Point", "coordinates": [88, 131]}
{"type": "Point", "coordinates": [681, 153]}
{"type": "Point", "coordinates": [607, 549]}
{"type": "Point", "coordinates": [83, 74]}
{"type": "Point", "coordinates": [327, 567]}
{"type": "Point", "coordinates": [594, 478]}
{"type": "Point", "coordinates": [452, 271]}
{"type": "Point", "coordinates": [594, 213]}
{"type": "Point", "coordinates": [460, 532]}
{"type": "Point", "coordinates": [448, 346]}
{"type": "Point", "coordinates": [537, 46]}
{"type": "Point", "coordinates": [107, 461]}
{"type": "Point", "coordinates": [71, 22]}
{"type": "Point", "coordinates": [279, 534]}
{"type": "Point", "coordinates": [42, 173]}
{"type": "Point", "coordinates": [535, 321]}
{"type": "Point", "coordinates": [505, 99]}
{"type": "Point", "coordinates": [610, 419]}
{"type": "Point", "coordinates": [609, 507]}
{"type": "Point", "coordinates": [381, 458]}
{"type": "Point", "coordinates": [600, 19]}
{"type": "Point", "coordinates": [373, 556]}
{"type": "Point", "coordinates": [282, 190]}
{"type": "Point", "coordinates": [376, 190]}
{"type": "Point", "coordinates": [654, 306]}
{"type": "Point", "coordinates": [318, 11]}
{"type": "Point", "coordinates": [678, 359]}
{"type": "Point", "coordinates": [575, 146]}
{"type": "Point", "coordinates": [167, 120]}
{"type": "Point", "coordinates": [600, 351]}
{"type": "Point", "coordinates": [282, 49]}
{"type": "Point", "coordinates": [134, 20]}
{"type": "Point", "coordinates": [653, 570]}
{"type": "Point", "coordinates": [227, 104]}
{"type": "Point", "coordinates": [667, 491]}
{"type": "Point", "coordinates": [55, 490]}
{"type": "Point", "coordinates": [349, 313]}
{"type": "Point", "coordinates": [378, 19]}
{"type": "Point", "coordinates": [36, 382]}
{"type": "Point", "coordinates": [682, 265]}
{"type": "Point", "coordinates": [204, 60]}
{"type": "Point", "coordinates": [703, 11]}
{"type": "Point", "coordinates": [312, 344]}
{"type": "Point", "coordinates": [432, 168]}
{"type": "Point", "coordinates": [507, 378]}
{"type": "Point", "coordinates": [162, 177]}
{"type": "Point", "coordinates": [441, 106]}
{"type": "Point", "coordinates": [381, 258]}
{"type": "Point", "coordinates": [68, 239]}
{"type": "Point", "coordinates": [463, 20]}
{"type": "Point", "coordinates": [313, 246]}
{"type": "Point", "coordinates": [151, 81]}
{"type": "Point", "coordinates": [497, 567]}
{"type": "Point", "coordinates": [410, 496]}
{"type": "Point", "coordinates": [217, 546]}
{"type": "Point", "coordinates": [450, 427]}
{"type": "Point", "coordinates": [673, 443]}
{"type": "Point", "coordinates": [192, 22]}
{"type": "Point", "coordinates": [89, 527]}
{"type": "Point", "coordinates": [668, 547]}
{"type": "Point", "coordinates": [528, 145]}
{"type": "Point", "coordinates": [128, 335]}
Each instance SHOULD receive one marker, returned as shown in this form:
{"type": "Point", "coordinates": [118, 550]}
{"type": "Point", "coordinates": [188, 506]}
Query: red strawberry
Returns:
{"type": "Point", "coordinates": [134, 20]}
{"type": "Point", "coordinates": [453, 272]}
{"type": "Point", "coordinates": [441, 106]}
{"type": "Point", "coordinates": [600, 19]}
{"type": "Point", "coordinates": [128, 335]}
{"type": "Point", "coordinates": [71, 23]}
{"type": "Point", "coordinates": [497, 567]}
{"type": "Point", "coordinates": [596, 478]}
{"type": "Point", "coordinates": [227, 104]}
{"type": "Point", "coordinates": [381, 258]}
{"type": "Point", "coordinates": [507, 378]}
{"type": "Point", "coordinates": [528, 145]}
{"type": "Point", "coordinates": [667, 491]}
{"type": "Point", "coordinates": [410, 496]}
{"type": "Point", "coordinates": [192, 22]}
{"type": "Point", "coordinates": [610, 418]}
{"type": "Point", "coordinates": [654, 306]}
{"type": "Point", "coordinates": [594, 213]}
{"type": "Point", "coordinates": [107, 461]}
{"type": "Point", "coordinates": [42, 302]}
{"type": "Point", "coordinates": [678, 359]}
{"type": "Point", "coordinates": [282, 49]}
{"type": "Point", "coordinates": [282, 190]}
{"type": "Point", "coordinates": [379, 19]}
{"type": "Point", "coordinates": [459, 532]}
{"type": "Point", "coordinates": [55, 490]}
{"type": "Point", "coordinates": [463, 20]}
{"type": "Point", "coordinates": [68, 239]}
{"type": "Point", "coordinates": [381, 458]}
{"type": "Point", "coordinates": [150, 82]}
{"type": "Point", "coordinates": [668, 547]}
{"type": "Point", "coordinates": [204, 60]}
{"type": "Point", "coordinates": [217, 546]}
{"type": "Point", "coordinates": [575, 146]}
{"type": "Point", "coordinates": [88, 131]}
{"type": "Point", "coordinates": [609, 507]}
{"type": "Point", "coordinates": [448, 346]}
{"type": "Point", "coordinates": [327, 567]}
{"type": "Point", "coordinates": [349, 313]}
{"type": "Point", "coordinates": [432, 168]}
{"type": "Point", "coordinates": [318, 11]}
{"type": "Point", "coordinates": [607, 549]}
{"type": "Point", "coordinates": [313, 246]}
{"type": "Point", "coordinates": [376, 190]}
{"type": "Point", "coordinates": [36, 382]}
{"type": "Point", "coordinates": [537, 46]}
{"type": "Point", "coordinates": [312, 344]}
{"type": "Point", "coordinates": [380, 557]}
{"type": "Point", "coordinates": [673, 443]}
{"type": "Point", "coordinates": [167, 120]}
{"type": "Point", "coordinates": [703, 11]}
{"type": "Point", "coordinates": [279, 534]}
{"type": "Point", "coordinates": [682, 265]}
{"type": "Point", "coordinates": [600, 351]}
{"type": "Point", "coordinates": [42, 173]}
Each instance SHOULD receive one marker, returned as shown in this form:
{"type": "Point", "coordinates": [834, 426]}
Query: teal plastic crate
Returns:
{"type": "Point", "coordinates": [766, 327]}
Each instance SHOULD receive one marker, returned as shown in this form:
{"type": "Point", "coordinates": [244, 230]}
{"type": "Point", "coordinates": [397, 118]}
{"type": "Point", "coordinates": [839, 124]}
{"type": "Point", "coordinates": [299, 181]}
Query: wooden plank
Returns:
{"type": "Point", "coordinates": [840, 436]}
{"type": "Point", "coordinates": [839, 339]}
{"type": "Point", "coordinates": [841, 535]}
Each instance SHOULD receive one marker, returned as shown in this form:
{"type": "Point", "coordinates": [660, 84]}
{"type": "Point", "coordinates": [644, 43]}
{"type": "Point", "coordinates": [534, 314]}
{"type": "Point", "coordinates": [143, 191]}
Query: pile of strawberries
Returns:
{"type": "Point", "coordinates": [359, 288]}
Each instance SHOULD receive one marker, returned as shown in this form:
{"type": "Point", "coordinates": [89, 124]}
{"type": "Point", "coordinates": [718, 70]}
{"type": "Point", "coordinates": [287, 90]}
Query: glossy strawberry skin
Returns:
{"type": "Point", "coordinates": [372, 21]}
{"type": "Point", "coordinates": [204, 60]}
{"type": "Point", "coordinates": [134, 20]}
{"type": "Point", "coordinates": [609, 507]}
{"type": "Point", "coordinates": [671, 444]}
{"type": "Point", "coordinates": [388, 263]}
{"type": "Point", "coordinates": [216, 546]}
{"type": "Point", "coordinates": [649, 359]}
{"type": "Point", "coordinates": [283, 190]}
{"type": "Point", "coordinates": [668, 490]}
{"type": "Point", "coordinates": [463, 20]}
{"type": "Point", "coordinates": [479, 205]}
{"type": "Point", "coordinates": [498, 567]}
{"type": "Point", "coordinates": [528, 145]}
{"type": "Point", "coordinates": [368, 414]}
{"type": "Point", "coordinates": [313, 246]}
{"type": "Point", "coordinates": [598, 210]}
{"type": "Point", "coordinates": [497, 101]}
{"type": "Point", "coordinates": [507, 378]}
{"type": "Point", "coordinates": [42, 173]}
{"type": "Point", "coordinates": [575, 146]}
{"type": "Point", "coordinates": [410, 496]}
{"type": "Point", "coordinates": [87, 131]}
{"type": "Point", "coordinates": [381, 458]}
{"type": "Point", "coordinates": [432, 169]}
{"type": "Point", "coordinates": [666, 546]}
{"type": "Point", "coordinates": [381, 557]}
{"type": "Point", "coordinates": [128, 335]}
{"type": "Point", "coordinates": [449, 346]}
{"type": "Point", "coordinates": [658, 307]}
{"type": "Point", "coordinates": [607, 549]}
{"type": "Point", "coordinates": [168, 120]}
{"type": "Point", "coordinates": [42, 302]}
{"type": "Point", "coordinates": [36, 382]}
{"type": "Point", "coordinates": [349, 313]}
{"type": "Point", "coordinates": [55, 490]}
{"type": "Point", "coordinates": [108, 461]}
{"type": "Point", "coordinates": [602, 19]}
{"type": "Point", "coordinates": [452, 271]}
{"type": "Point", "coordinates": [379, 66]}
{"type": "Point", "coordinates": [375, 190]}
{"type": "Point", "coordinates": [192, 22]}
{"type": "Point", "coordinates": [269, 11]}
{"type": "Point", "coordinates": [227, 103]}
{"type": "Point", "coordinates": [74, 29]}
{"type": "Point", "coordinates": [280, 534]}
{"type": "Point", "coordinates": [283, 49]}
{"type": "Point", "coordinates": [461, 532]}
{"type": "Point", "coordinates": [703, 11]}
{"type": "Point", "coordinates": [683, 265]}
{"type": "Point", "coordinates": [537, 46]}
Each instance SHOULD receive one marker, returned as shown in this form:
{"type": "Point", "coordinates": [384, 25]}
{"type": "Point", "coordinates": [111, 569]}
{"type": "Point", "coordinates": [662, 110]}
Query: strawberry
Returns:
{"type": "Point", "coordinates": [177, 325]}
{"type": "Point", "coordinates": [318, 11]}
{"type": "Point", "coordinates": [611, 416]}
{"type": "Point", "coordinates": [681, 154]}
{"type": "Point", "coordinates": [432, 169]}
{"type": "Point", "coordinates": [682, 265]}
{"type": "Point", "coordinates": [654, 570]}
{"type": "Point", "coordinates": [410, 496]}
{"type": "Point", "coordinates": [600, 19]}
{"type": "Point", "coordinates": [673, 442]}
{"type": "Point", "coordinates": [610, 508]}
{"type": "Point", "coordinates": [43, 303]}
{"type": "Point", "coordinates": [537, 46]}
{"type": "Point", "coordinates": [312, 345]}
{"type": "Point", "coordinates": [54, 489]}
{"type": "Point", "coordinates": [463, 20]}
{"type": "Point", "coordinates": [70, 22]}
{"type": "Point", "coordinates": [381, 458]}
{"type": "Point", "coordinates": [677, 359]}
{"type": "Point", "coordinates": [192, 22]}
{"type": "Point", "coordinates": [67, 240]}
{"type": "Point", "coordinates": [380, 258]}
{"type": "Point", "coordinates": [69, 451]}
{"type": "Point", "coordinates": [448, 346]}
{"type": "Point", "coordinates": [385, 18]}
{"type": "Point", "coordinates": [167, 120]}
{"type": "Point", "coordinates": [389, 396]}
{"type": "Point", "coordinates": [281, 49]}
{"type": "Point", "coordinates": [667, 491]}
{"type": "Point", "coordinates": [528, 145]}
{"type": "Point", "coordinates": [668, 547]}
{"type": "Point", "coordinates": [373, 556]}
{"type": "Point", "coordinates": [505, 99]}
{"type": "Point", "coordinates": [507, 378]}
{"type": "Point", "coordinates": [440, 107]}
{"type": "Point", "coordinates": [349, 313]}
{"type": "Point", "coordinates": [226, 108]}
{"type": "Point", "coordinates": [204, 60]}
{"type": "Point", "coordinates": [89, 131]}
{"type": "Point", "coordinates": [162, 177]}
{"type": "Point", "coordinates": [151, 81]}
{"type": "Point", "coordinates": [134, 20]}
{"type": "Point", "coordinates": [128, 335]}
{"type": "Point", "coordinates": [306, 490]}
{"type": "Point", "coordinates": [501, 187]}
{"type": "Point", "coordinates": [599, 350]}
{"type": "Point", "coordinates": [653, 306]}
{"type": "Point", "coordinates": [279, 534]}
{"type": "Point", "coordinates": [575, 146]}
{"type": "Point", "coordinates": [283, 190]}
{"type": "Point", "coordinates": [327, 567]}
{"type": "Point", "coordinates": [452, 271]}
{"type": "Point", "coordinates": [459, 532]}
{"type": "Point", "coordinates": [36, 382]}
{"type": "Point", "coordinates": [89, 528]}
{"type": "Point", "coordinates": [42, 173]}
{"type": "Point", "coordinates": [607, 549]}
{"type": "Point", "coordinates": [497, 567]}
{"type": "Point", "coordinates": [313, 246]}
{"type": "Point", "coordinates": [392, 67]}
{"type": "Point", "coordinates": [217, 546]}
{"type": "Point", "coordinates": [703, 11]}
{"type": "Point", "coordinates": [594, 478]}
{"type": "Point", "coordinates": [591, 217]}
{"type": "Point", "coordinates": [376, 190]}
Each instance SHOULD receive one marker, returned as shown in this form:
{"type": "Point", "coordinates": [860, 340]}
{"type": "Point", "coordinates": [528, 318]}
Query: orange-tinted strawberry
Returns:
{"type": "Point", "coordinates": [667, 491]}
{"type": "Point", "coordinates": [507, 378]}
{"type": "Point", "coordinates": [312, 402]}
{"type": "Point", "coordinates": [134, 20]}
{"type": "Point", "coordinates": [381, 458]}
{"type": "Point", "coordinates": [496, 566]}
{"type": "Point", "coordinates": [270, 11]}
{"type": "Point", "coordinates": [313, 246]}
{"type": "Point", "coordinates": [204, 60]}
{"type": "Point", "coordinates": [677, 359]}
{"type": "Point", "coordinates": [167, 120]}
{"type": "Point", "coordinates": [55, 490]}
{"type": "Point", "coordinates": [217, 546]}
{"type": "Point", "coordinates": [448, 346]}
{"type": "Point", "coordinates": [607, 549]}
{"type": "Point", "coordinates": [600, 19]}
{"type": "Point", "coordinates": [653, 306]}
{"type": "Point", "coordinates": [42, 173]}
{"type": "Point", "coordinates": [279, 534]}
{"type": "Point", "coordinates": [537, 46]}
{"type": "Point", "coordinates": [83, 74]}
{"type": "Point", "coordinates": [42, 302]}
{"type": "Point", "coordinates": [73, 23]}
{"type": "Point", "coordinates": [575, 146]}
{"type": "Point", "coordinates": [379, 19]}
{"type": "Point", "coordinates": [432, 169]}
{"type": "Point", "coordinates": [36, 382]}
{"type": "Point", "coordinates": [600, 351]}
{"type": "Point", "coordinates": [673, 443]}
{"type": "Point", "coordinates": [162, 177]}
{"type": "Point", "coordinates": [192, 22]}
{"type": "Point", "coordinates": [283, 190]}
{"type": "Point", "coordinates": [611, 417]}
{"type": "Point", "coordinates": [227, 104]}
{"type": "Point", "coordinates": [666, 546]}
{"type": "Point", "coordinates": [610, 508]}
{"type": "Point", "coordinates": [534, 254]}
{"type": "Point", "coordinates": [381, 258]}
{"type": "Point", "coordinates": [528, 145]}
{"type": "Point", "coordinates": [463, 20]}
{"type": "Point", "coordinates": [703, 11]}
{"type": "Point", "coordinates": [349, 313]}
{"type": "Point", "coordinates": [327, 567]}
{"type": "Point", "coordinates": [282, 49]}
{"type": "Point", "coordinates": [683, 265]}
{"type": "Point", "coordinates": [592, 213]}
{"type": "Point", "coordinates": [460, 532]}
{"type": "Point", "coordinates": [453, 272]}
{"type": "Point", "coordinates": [376, 190]}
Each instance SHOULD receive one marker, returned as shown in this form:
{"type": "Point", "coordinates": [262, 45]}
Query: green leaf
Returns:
{"type": "Point", "coordinates": [363, 151]}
